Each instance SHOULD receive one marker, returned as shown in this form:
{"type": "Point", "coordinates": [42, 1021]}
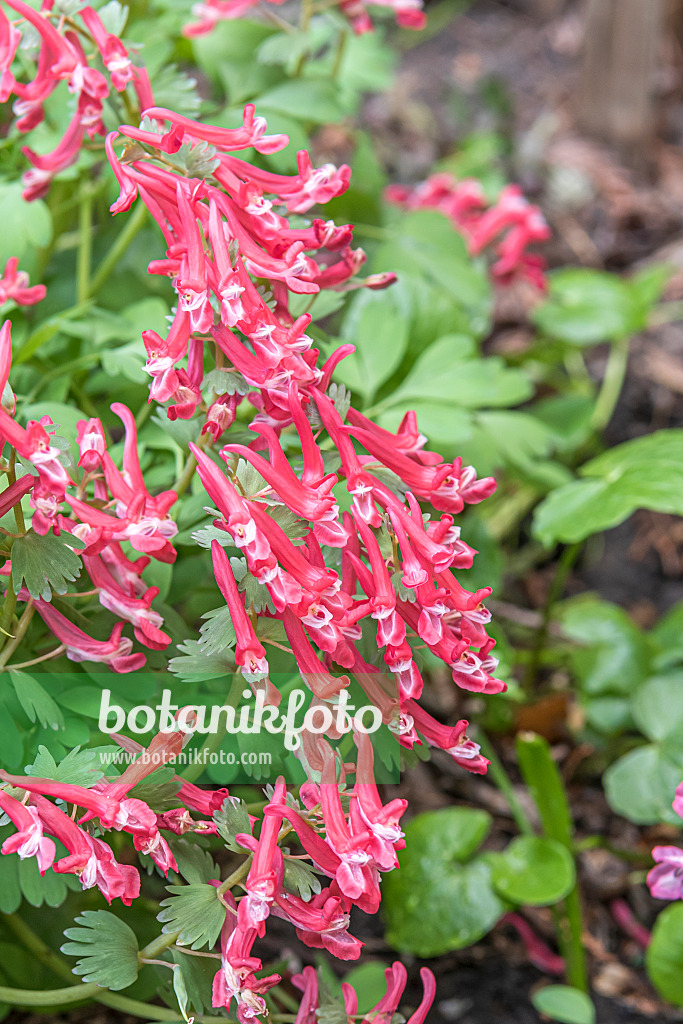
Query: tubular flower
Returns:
{"type": "Point", "coordinates": [507, 227]}
{"type": "Point", "coordinates": [136, 516]}
{"type": "Point", "coordinates": [66, 52]}
{"type": "Point", "coordinates": [209, 13]}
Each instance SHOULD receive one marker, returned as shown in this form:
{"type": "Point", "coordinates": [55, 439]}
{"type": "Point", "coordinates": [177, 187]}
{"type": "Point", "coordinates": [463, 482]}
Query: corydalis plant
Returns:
{"type": "Point", "coordinates": [356, 591]}
{"type": "Point", "coordinates": [396, 568]}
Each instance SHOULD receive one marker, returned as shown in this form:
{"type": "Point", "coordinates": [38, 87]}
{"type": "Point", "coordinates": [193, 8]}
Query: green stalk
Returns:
{"type": "Point", "coordinates": [133, 226]}
{"type": "Point", "coordinates": [612, 383]}
{"type": "Point", "coordinates": [185, 478]}
{"type": "Point", "coordinates": [502, 780]}
{"type": "Point", "coordinates": [543, 778]}
{"type": "Point", "coordinates": [564, 567]}
{"type": "Point", "coordinates": [84, 256]}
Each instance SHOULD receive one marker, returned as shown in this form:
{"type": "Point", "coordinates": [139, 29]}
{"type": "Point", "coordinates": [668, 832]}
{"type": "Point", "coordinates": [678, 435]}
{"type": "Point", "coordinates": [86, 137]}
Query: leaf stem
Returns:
{"type": "Point", "coordinates": [83, 990]}
{"type": "Point", "coordinates": [241, 872]}
{"type": "Point", "coordinates": [564, 567]}
{"type": "Point", "coordinates": [43, 657]}
{"type": "Point", "coordinates": [612, 383]}
{"type": "Point", "coordinates": [85, 232]}
{"type": "Point", "coordinates": [22, 626]}
{"type": "Point", "coordinates": [185, 477]}
{"type": "Point", "coordinates": [133, 226]}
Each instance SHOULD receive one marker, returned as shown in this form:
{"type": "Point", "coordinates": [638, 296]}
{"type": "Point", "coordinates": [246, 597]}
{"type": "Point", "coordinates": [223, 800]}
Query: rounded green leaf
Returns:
{"type": "Point", "coordinates": [437, 900]}
{"type": "Point", "coordinates": [564, 1004]}
{"type": "Point", "coordinates": [658, 707]}
{"type": "Point", "coordinates": [533, 871]}
{"type": "Point", "coordinates": [585, 307]}
{"type": "Point", "coordinates": [664, 959]}
{"type": "Point", "coordinates": [641, 785]}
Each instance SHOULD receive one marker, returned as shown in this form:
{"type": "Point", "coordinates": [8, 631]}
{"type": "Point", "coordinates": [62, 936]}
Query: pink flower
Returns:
{"type": "Point", "coordinates": [29, 841]}
{"type": "Point", "coordinates": [115, 652]}
{"type": "Point", "coordinates": [249, 653]}
{"type": "Point", "coordinates": [14, 285]}
{"type": "Point", "coordinates": [665, 881]}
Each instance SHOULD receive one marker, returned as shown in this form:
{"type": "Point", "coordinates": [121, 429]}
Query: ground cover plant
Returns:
{"type": "Point", "coordinates": [258, 445]}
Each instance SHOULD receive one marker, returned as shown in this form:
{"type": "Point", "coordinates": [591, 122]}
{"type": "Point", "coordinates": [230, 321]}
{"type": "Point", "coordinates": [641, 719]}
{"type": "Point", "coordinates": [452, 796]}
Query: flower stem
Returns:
{"type": "Point", "coordinates": [133, 226]}
{"type": "Point", "coordinates": [543, 778]}
{"type": "Point", "coordinates": [24, 623]}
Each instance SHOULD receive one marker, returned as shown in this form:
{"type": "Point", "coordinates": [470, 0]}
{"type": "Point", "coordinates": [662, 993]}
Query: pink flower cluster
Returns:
{"type": "Point", "coordinates": [665, 880]}
{"type": "Point", "coordinates": [509, 225]}
{"type": "Point", "coordinates": [356, 846]}
{"type": "Point", "coordinates": [396, 568]}
{"type": "Point", "coordinates": [107, 506]}
{"type": "Point", "coordinates": [67, 48]}
{"type": "Point", "coordinates": [408, 14]}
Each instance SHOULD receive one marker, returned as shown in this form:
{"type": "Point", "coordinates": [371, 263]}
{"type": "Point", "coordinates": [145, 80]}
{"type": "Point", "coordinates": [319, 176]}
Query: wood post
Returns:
{"type": "Point", "coordinates": [622, 47]}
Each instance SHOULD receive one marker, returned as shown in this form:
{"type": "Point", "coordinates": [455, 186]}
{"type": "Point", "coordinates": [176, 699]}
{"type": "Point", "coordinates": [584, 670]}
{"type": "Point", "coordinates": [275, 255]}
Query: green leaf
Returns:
{"type": "Point", "coordinates": [198, 974]}
{"type": "Point", "coordinates": [542, 776]}
{"type": "Point", "coordinates": [658, 707]}
{"type": "Point", "coordinates": [26, 226]}
{"type": "Point", "coordinates": [533, 871]}
{"type": "Point", "coordinates": [300, 880]}
{"type": "Point", "coordinates": [668, 638]}
{"type": "Point", "coordinates": [586, 307]}
{"type": "Point", "coordinates": [431, 257]}
{"type": "Point", "coordinates": [193, 666]}
{"type": "Point", "coordinates": [218, 633]}
{"type": "Point", "coordinates": [174, 88]}
{"type": "Point", "coordinates": [564, 1004]}
{"type": "Point", "coordinates": [369, 983]}
{"type": "Point", "coordinates": [664, 957]}
{"type": "Point", "coordinates": [644, 473]}
{"type": "Point", "coordinates": [36, 701]}
{"type": "Point", "coordinates": [450, 371]}
{"type": "Point", "coordinates": [194, 863]}
{"type": "Point", "coordinates": [195, 911]}
{"type": "Point", "coordinates": [158, 790]}
{"type": "Point", "coordinates": [308, 100]}
{"type": "Point", "coordinates": [232, 819]}
{"type": "Point", "coordinates": [641, 785]}
{"type": "Point", "coordinates": [78, 768]}
{"type": "Point", "coordinates": [107, 948]}
{"type": "Point", "coordinates": [440, 900]}
{"type": "Point", "coordinates": [45, 563]}
{"type": "Point", "coordinates": [180, 990]}
{"type": "Point", "coordinates": [377, 325]}
{"type": "Point", "coordinates": [612, 656]}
